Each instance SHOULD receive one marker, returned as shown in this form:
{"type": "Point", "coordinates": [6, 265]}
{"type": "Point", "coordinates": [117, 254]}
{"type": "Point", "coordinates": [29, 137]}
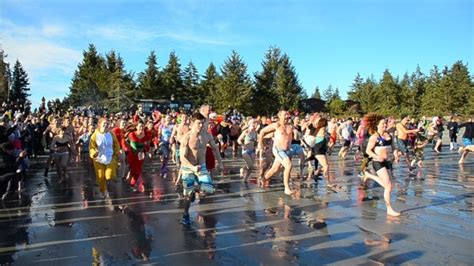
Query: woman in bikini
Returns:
{"type": "Point", "coordinates": [378, 147]}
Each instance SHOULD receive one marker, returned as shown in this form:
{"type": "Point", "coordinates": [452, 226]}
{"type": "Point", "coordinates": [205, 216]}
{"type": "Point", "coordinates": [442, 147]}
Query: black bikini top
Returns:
{"type": "Point", "coordinates": [382, 142]}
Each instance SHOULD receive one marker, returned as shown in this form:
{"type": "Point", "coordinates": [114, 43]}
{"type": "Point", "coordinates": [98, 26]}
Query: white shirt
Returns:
{"type": "Point", "coordinates": [105, 147]}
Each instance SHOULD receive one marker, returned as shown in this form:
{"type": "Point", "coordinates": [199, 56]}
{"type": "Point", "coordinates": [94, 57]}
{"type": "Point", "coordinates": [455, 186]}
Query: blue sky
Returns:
{"type": "Point", "coordinates": [329, 42]}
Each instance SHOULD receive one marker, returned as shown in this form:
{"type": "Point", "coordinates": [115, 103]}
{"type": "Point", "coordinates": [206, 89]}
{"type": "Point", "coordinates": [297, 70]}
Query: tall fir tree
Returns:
{"type": "Point", "coordinates": [316, 93]}
{"type": "Point", "coordinates": [328, 93]}
{"type": "Point", "coordinates": [235, 89]}
{"type": "Point", "coordinates": [264, 96]}
{"type": "Point", "coordinates": [388, 95]}
{"type": "Point", "coordinates": [432, 99]}
{"type": "Point", "coordinates": [209, 86]}
{"type": "Point", "coordinates": [122, 92]}
{"type": "Point", "coordinates": [405, 92]}
{"type": "Point", "coordinates": [417, 81]}
{"type": "Point", "coordinates": [89, 84]}
{"type": "Point", "coordinates": [461, 91]}
{"type": "Point", "coordinates": [20, 84]}
{"type": "Point", "coordinates": [369, 95]}
{"type": "Point", "coordinates": [149, 81]}
{"type": "Point", "coordinates": [5, 77]}
{"type": "Point", "coordinates": [288, 87]}
{"type": "Point", "coordinates": [172, 79]}
{"type": "Point", "coordinates": [336, 94]}
{"type": "Point", "coordinates": [191, 84]}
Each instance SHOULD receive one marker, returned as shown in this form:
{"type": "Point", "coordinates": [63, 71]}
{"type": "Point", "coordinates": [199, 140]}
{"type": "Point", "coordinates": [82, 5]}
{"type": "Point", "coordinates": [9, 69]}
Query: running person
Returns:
{"type": "Point", "coordinates": [281, 148]}
{"type": "Point", "coordinates": [193, 163]}
{"type": "Point", "coordinates": [377, 148]}
{"type": "Point", "coordinates": [345, 131]}
{"type": "Point", "coordinates": [137, 145]}
{"type": "Point", "coordinates": [453, 128]}
{"type": "Point", "coordinates": [402, 138]}
{"type": "Point", "coordinates": [60, 146]}
{"type": "Point", "coordinates": [248, 139]}
{"type": "Point", "coordinates": [467, 140]}
{"type": "Point", "coordinates": [104, 150]}
{"type": "Point", "coordinates": [165, 131]}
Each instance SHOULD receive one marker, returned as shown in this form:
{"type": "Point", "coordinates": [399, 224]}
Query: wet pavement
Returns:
{"type": "Point", "coordinates": [243, 224]}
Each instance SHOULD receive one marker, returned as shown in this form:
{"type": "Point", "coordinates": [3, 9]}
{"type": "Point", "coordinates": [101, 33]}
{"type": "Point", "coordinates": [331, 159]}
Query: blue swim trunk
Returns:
{"type": "Point", "coordinates": [280, 154]}
{"type": "Point", "coordinates": [193, 181]}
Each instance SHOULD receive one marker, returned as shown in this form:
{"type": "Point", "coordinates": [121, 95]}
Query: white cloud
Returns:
{"type": "Point", "coordinates": [194, 38]}
{"type": "Point", "coordinates": [42, 55]}
{"type": "Point", "coordinates": [119, 33]}
{"type": "Point", "coordinates": [49, 63]}
{"type": "Point", "coordinates": [127, 34]}
{"type": "Point", "coordinates": [53, 30]}
{"type": "Point", "coordinates": [36, 49]}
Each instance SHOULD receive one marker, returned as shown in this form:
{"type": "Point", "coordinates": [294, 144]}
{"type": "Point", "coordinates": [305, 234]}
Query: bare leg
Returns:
{"type": "Point", "coordinates": [464, 155]}
{"type": "Point", "coordinates": [286, 175]}
{"type": "Point", "coordinates": [438, 145]}
{"type": "Point", "coordinates": [273, 170]}
{"type": "Point", "coordinates": [325, 166]}
{"type": "Point", "coordinates": [383, 179]}
{"type": "Point", "coordinates": [249, 161]}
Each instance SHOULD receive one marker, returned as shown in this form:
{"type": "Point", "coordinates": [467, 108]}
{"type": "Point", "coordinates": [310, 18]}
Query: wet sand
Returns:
{"type": "Point", "coordinates": [243, 224]}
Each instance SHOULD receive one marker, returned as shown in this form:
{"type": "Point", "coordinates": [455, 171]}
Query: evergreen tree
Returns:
{"type": "Point", "coordinates": [316, 93]}
{"type": "Point", "coordinates": [191, 84]}
{"type": "Point", "coordinates": [336, 94]}
{"type": "Point", "coordinates": [20, 83]}
{"type": "Point", "coordinates": [358, 92]}
{"type": "Point", "coordinates": [149, 82]}
{"type": "Point", "coordinates": [337, 107]}
{"type": "Point", "coordinates": [122, 91]}
{"type": "Point", "coordinates": [209, 86]}
{"type": "Point", "coordinates": [288, 88]}
{"type": "Point", "coordinates": [406, 105]}
{"type": "Point", "coordinates": [432, 99]}
{"type": "Point", "coordinates": [328, 94]}
{"type": "Point", "coordinates": [5, 77]}
{"type": "Point", "coordinates": [89, 84]}
{"type": "Point", "coordinates": [369, 95]}
{"type": "Point", "coordinates": [460, 90]}
{"type": "Point", "coordinates": [388, 95]}
{"type": "Point", "coordinates": [172, 79]}
{"type": "Point", "coordinates": [418, 81]}
{"type": "Point", "coordinates": [265, 96]}
{"type": "Point", "coordinates": [236, 87]}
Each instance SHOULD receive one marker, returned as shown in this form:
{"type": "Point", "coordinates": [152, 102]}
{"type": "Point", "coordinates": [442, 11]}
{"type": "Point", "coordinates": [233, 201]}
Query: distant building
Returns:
{"type": "Point", "coordinates": [150, 105]}
{"type": "Point", "coordinates": [312, 105]}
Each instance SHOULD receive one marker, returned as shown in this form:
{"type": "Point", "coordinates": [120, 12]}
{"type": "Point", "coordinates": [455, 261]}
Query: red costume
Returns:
{"type": "Point", "coordinates": [136, 145]}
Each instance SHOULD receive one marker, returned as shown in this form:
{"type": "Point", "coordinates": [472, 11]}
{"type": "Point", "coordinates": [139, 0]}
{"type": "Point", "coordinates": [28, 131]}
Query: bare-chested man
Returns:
{"type": "Point", "coordinates": [281, 148]}
{"type": "Point", "coordinates": [193, 163]}
{"type": "Point", "coordinates": [402, 138]}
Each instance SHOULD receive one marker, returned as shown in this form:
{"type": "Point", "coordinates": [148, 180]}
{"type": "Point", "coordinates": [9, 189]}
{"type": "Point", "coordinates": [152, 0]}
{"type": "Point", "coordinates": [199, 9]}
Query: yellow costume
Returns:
{"type": "Point", "coordinates": [104, 150]}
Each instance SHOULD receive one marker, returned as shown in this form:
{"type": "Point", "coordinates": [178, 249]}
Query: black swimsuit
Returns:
{"type": "Point", "coordinates": [382, 142]}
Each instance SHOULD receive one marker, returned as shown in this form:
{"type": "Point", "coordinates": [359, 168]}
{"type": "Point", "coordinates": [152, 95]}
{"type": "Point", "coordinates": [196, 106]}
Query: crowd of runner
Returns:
{"type": "Point", "coordinates": [118, 145]}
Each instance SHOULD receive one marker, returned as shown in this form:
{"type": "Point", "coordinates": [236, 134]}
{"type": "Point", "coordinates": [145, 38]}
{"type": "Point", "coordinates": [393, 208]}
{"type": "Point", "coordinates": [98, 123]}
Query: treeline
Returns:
{"type": "Point", "coordinates": [14, 83]}
{"type": "Point", "coordinates": [103, 80]}
{"type": "Point", "coordinates": [446, 92]}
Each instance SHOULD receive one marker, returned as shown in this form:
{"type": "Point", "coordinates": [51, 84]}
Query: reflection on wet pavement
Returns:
{"type": "Point", "coordinates": [68, 223]}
